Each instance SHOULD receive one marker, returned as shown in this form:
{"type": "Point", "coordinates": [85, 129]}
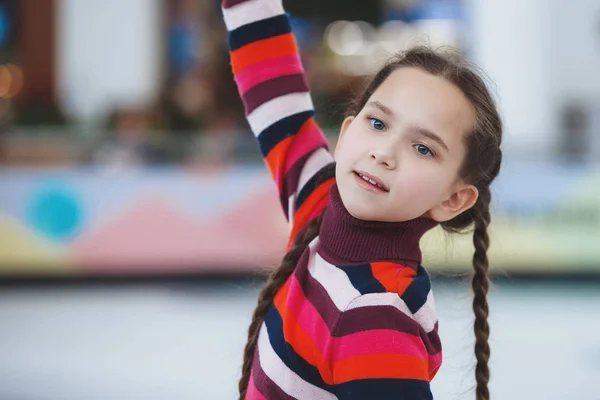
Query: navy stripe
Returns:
{"type": "Point", "coordinates": [259, 30]}
{"type": "Point", "coordinates": [312, 184]}
{"type": "Point", "coordinates": [288, 355]}
{"type": "Point", "coordinates": [415, 295]}
{"type": "Point", "coordinates": [383, 389]}
{"type": "Point", "coordinates": [278, 131]}
{"type": "Point", "coordinates": [361, 277]}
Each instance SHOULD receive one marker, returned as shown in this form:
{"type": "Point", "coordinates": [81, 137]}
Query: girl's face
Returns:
{"type": "Point", "coordinates": [409, 140]}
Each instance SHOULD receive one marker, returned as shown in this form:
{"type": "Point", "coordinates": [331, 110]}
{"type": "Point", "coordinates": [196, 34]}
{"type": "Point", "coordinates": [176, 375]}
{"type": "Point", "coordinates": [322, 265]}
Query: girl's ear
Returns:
{"type": "Point", "coordinates": [343, 129]}
{"type": "Point", "coordinates": [460, 201]}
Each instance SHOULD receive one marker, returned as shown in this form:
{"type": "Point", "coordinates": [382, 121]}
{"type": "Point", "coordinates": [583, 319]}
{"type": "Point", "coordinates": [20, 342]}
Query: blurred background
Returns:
{"type": "Point", "coordinates": [137, 218]}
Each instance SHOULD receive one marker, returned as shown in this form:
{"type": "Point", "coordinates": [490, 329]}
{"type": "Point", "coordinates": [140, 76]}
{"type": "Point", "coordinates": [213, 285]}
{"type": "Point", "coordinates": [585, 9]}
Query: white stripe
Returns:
{"type": "Point", "coordinates": [381, 299]}
{"type": "Point", "coordinates": [278, 108]}
{"type": "Point", "coordinates": [317, 160]}
{"type": "Point", "coordinates": [282, 376]}
{"type": "Point", "coordinates": [291, 207]}
{"type": "Point", "coordinates": [251, 11]}
{"type": "Point", "coordinates": [426, 316]}
{"type": "Point", "coordinates": [334, 280]}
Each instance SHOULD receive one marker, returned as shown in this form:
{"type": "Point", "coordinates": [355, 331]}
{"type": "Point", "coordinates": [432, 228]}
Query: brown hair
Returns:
{"type": "Point", "coordinates": [480, 166]}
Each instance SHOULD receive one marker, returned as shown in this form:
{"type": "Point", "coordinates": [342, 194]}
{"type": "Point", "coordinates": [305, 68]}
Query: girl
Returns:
{"type": "Point", "coordinates": [349, 313]}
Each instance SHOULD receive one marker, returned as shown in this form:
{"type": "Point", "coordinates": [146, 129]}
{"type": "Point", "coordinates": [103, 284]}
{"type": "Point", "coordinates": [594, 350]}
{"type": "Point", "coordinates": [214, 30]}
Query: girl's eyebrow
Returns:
{"type": "Point", "coordinates": [428, 134]}
{"type": "Point", "coordinates": [421, 131]}
{"type": "Point", "coordinates": [385, 109]}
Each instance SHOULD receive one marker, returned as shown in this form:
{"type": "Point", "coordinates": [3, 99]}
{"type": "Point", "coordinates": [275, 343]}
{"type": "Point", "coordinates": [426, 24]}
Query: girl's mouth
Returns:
{"type": "Point", "coordinates": [370, 182]}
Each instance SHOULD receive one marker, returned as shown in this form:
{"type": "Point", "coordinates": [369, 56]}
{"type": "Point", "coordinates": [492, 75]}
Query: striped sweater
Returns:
{"type": "Point", "coordinates": [356, 320]}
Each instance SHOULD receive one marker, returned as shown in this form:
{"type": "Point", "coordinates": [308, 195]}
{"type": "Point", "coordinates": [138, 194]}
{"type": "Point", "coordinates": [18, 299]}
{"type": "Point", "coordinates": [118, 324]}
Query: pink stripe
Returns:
{"type": "Point", "coordinates": [378, 341]}
{"type": "Point", "coordinates": [252, 392]}
{"type": "Point", "coordinates": [268, 69]}
{"type": "Point", "coordinates": [304, 142]}
{"type": "Point", "coordinates": [307, 316]}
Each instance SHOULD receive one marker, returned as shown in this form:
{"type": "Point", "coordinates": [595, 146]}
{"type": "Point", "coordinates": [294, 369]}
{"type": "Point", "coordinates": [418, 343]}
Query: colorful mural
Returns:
{"type": "Point", "coordinates": [171, 220]}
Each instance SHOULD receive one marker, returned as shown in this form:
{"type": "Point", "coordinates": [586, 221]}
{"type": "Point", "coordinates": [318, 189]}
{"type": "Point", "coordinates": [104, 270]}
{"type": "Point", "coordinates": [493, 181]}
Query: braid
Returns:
{"type": "Point", "coordinates": [480, 284]}
{"type": "Point", "coordinates": [480, 167]}
{"type": "Point", "coordinates": [276, 280]}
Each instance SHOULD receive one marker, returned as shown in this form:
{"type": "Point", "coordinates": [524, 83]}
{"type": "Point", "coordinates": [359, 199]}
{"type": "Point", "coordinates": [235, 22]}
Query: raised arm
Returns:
{"type": "Point", "coordinates": [271, 81]}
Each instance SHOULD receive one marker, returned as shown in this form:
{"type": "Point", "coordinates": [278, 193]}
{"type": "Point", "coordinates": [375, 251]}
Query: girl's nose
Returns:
{"type": "Point", "coordinates": [383, 157]}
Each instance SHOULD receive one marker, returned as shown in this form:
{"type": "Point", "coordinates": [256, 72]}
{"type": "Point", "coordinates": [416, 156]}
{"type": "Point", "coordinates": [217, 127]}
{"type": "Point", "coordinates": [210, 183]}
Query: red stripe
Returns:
{"type": "Point", "coordinates": [394, 277]}
{"type": "Point", "coordinates": [374, 366]}
{"type": "Point", "coordinates": [385, 273]}
{"type": "Point", "coordinates": [278, 46]}
{"type": "Point", "coordinates": [293, 333]}
{"type": "Point", "coordinates": [311, 322]}
{"type": "Point", "coordinates": [405, 277]}
{"type": "Point", "coordinates": [276, 159]}
{"type": "Point", "coordinates": [308, 209]}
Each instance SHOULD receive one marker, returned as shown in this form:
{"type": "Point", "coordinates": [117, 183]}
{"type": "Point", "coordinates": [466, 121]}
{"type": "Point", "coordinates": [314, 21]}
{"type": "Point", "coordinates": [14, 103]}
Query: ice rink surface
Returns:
{"type": "Point", "coordinates": [183, 342]}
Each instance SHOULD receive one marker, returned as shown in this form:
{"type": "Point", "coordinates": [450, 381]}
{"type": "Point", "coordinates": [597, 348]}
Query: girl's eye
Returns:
{"type": "Point", "coordinates": [377, 124]}
{"type": "Point", "coordinates": [423, 150]}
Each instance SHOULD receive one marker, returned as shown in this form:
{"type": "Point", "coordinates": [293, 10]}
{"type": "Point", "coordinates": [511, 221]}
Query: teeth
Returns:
{"type": "Point", "coordinates": [371, 181]}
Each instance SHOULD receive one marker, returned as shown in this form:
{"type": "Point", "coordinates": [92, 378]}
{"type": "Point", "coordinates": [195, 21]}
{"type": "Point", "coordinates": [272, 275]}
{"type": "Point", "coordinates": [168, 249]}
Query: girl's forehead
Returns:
{"type": "Point", "coordinates": [432, 102]}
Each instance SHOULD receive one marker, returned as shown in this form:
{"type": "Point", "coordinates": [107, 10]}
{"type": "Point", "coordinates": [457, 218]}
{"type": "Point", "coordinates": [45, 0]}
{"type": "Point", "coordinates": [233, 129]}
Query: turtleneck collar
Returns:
{"type": "Point", "coordinates": [346, 239]}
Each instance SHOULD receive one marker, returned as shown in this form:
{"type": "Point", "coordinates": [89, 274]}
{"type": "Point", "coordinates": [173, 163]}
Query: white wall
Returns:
{"type": "Point", "coordinates": [575, 46]}
{"type": "Point", "coordinates": [508, 40]}
{"type": "Point", "coordinates": [108, 54]}
{"type": "Point", "coordinates": [540, 53]}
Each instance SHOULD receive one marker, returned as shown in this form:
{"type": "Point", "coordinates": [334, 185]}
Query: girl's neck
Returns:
{"type": "Point", "coordinates": [345, 239]}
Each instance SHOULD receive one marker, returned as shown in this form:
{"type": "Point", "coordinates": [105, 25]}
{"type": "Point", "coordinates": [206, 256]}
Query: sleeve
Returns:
{"type": "Point", "coordinates": [381, 352]}
{"type": "Point", "coordinates": [272, 84]}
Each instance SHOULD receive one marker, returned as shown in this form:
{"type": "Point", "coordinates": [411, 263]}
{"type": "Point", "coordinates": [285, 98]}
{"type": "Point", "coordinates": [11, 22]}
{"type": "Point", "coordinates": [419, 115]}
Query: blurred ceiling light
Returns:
{"type": "Point", "coordinates": [388, 33]}
{"type": "Point", "coordinates": [362, 48]}
{"type": "Point", "coordinates": [345, 37]}
{"type": "Point", "coordinates": [351, 67]}
{"type": "Point", "coordinates": [369, 34]}
{"type": "Point", "coordinates": [438, 32]}
{"type": "Point", "coordinates": [358, 65]}
{"type": "Point", "coordinates": [394, 36]}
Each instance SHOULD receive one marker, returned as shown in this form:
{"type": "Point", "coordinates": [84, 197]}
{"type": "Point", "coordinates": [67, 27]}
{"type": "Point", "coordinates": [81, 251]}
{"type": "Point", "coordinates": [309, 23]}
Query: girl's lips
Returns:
{"type": "Point", "coordinates": [367, 185]}
{"type": "Point", "coordinates": [375, 179]}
